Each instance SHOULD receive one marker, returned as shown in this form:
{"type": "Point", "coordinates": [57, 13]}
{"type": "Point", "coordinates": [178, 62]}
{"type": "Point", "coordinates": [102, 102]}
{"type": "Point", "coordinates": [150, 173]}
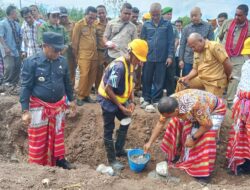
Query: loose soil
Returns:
{"type": "Point", "coordinates": [84, 147]}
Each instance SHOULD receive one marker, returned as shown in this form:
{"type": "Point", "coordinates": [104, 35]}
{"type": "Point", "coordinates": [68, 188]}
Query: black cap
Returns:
{"type": "Point", "coordinates": [63, 11]}
{"type": "Point", "coordinates": [54, 39]}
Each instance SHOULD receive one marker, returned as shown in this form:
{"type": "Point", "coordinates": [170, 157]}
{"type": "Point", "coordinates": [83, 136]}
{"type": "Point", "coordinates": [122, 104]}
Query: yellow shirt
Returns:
{"type": "Point", "coordinates": [84, 41]}
{"type": "Point", "coordinates": [209, 63]}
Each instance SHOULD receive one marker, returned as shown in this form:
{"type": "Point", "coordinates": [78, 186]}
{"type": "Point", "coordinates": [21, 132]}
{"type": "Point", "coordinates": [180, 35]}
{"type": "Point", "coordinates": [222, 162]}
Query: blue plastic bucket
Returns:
{"type": "Point", "coordinates": [137, 167]}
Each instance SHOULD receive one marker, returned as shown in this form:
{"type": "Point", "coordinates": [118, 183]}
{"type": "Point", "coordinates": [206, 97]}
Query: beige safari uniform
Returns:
{"type": "Point", "coordinates": [209, 65]}
{"type": "Point", "coordinates": [120, 38]}
{"type": "Point", "coordinates": [85, 49]}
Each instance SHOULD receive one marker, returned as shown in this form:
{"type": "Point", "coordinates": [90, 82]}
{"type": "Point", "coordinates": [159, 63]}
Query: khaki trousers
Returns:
{"type": "Point", "coordinates": [197, 83]}
{"type": "Point", "coordinates": [138, 73]}
{"type": "Point", "coordinates": [100, 68]}
{"type": "Point", "coordinates": [88, 69]}
{"type": "Point", "coordinates": [236, 74]}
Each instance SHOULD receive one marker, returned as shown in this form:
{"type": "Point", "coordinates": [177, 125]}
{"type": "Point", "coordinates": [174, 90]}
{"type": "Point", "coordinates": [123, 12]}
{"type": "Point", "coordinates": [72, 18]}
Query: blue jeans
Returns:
{"type": "Point", "coordinates": [187, 68]}
{"type": "Point", "coordinates": [153, 72]}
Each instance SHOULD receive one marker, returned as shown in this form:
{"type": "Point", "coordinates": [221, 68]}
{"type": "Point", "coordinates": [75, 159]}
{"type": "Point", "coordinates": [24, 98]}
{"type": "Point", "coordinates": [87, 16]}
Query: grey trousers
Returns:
{"type": "Point", "coordinates": [12, 67]}
{"type": "Point", "coordinates": [236, 74]}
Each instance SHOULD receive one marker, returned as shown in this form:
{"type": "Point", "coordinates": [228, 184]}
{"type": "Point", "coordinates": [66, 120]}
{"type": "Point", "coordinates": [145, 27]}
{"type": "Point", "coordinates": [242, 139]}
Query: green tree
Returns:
{"type": "Point", "coordinates": [2, 11]}
{"type": "Point", "coordinates": [76, 14]}
{"type": "Point", "coordinates": [186, 20]}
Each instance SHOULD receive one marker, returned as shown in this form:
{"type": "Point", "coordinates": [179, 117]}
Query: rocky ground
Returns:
{"type": "Point", "coordinates": [83, 139]}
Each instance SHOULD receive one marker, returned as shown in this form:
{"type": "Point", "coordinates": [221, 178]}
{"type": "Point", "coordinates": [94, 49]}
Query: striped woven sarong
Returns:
{"type": "Point", "coordinates": [46, 131]}
{"type": "Point", "coordinates": [199, 160]}
{"type": "Point", "coordinates": [238, 149]}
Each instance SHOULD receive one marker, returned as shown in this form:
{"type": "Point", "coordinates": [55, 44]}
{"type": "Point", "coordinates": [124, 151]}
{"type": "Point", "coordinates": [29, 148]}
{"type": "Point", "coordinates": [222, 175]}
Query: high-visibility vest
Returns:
{"type": "Point", "coordinates": [128, 82]}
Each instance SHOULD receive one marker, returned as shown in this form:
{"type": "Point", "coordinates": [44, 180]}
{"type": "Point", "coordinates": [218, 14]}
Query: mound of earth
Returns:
{"type": "Point", "coordinates": [84, 147]}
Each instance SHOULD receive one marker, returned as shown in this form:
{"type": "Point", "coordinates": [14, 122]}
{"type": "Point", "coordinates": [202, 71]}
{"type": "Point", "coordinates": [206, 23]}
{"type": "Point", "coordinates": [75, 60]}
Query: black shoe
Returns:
{"type": "Point", "coordinates": [110, 150]}
{"type": "Point", "coordinates": [79, 102]}
{"type": "Point", "coordinates": [89, 100]}
{"type": "Point", "coordinates": [65, 164]}
{"type": "Point", "coordinates": [203, 180]}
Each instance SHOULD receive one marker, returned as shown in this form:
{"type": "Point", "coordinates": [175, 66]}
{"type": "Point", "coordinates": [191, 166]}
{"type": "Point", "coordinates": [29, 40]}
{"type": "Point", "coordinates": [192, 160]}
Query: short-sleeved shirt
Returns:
{"type": "Point", "coordinates": [209, 63]}
{"type": "Point", "coordinates": [7, 34]}
{"type": "Point", "coordinates": [244, 83]}
{"type": "Point", "coordinates": [120, 38]}
{"type": "Point", "coordinates": [100, 29]}
{"type": "Point", "coordinates": [195, 106]}
{"type": "Point", "coordinates": [114, 76]}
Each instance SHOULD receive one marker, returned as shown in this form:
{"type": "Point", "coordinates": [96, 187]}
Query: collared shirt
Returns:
{"type": "Point", "coordinates": [160, 40]}
{"type": "Point", "coordinates": [120, 38]}
{"type": "Point", "coordinates": [209, 63]}
{"type": "Point", "coordinates": [195, 106]}
{"type": "Point", "coordinates": [47, 27]}
{"type": "Point", "coordinates": [204, 29]}
{"type": "Point", "coordinates": [224, 31]}
{"type": "Point", "coordinates": [114, 77]}
{"type": "Point", "coordinates": [100, 29]}
{"type": "Point", "coordinates": [8, 35]}
{"type": "Point", "coordinates": [30, 38]}
{"type": "Point", "coordinates": [45, 79]}
{"type": "Point", "coordinates": [84, 40]}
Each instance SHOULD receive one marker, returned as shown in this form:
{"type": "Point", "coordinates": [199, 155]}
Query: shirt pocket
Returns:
{"type": "Point", "coordinates": [85, 31]}
{"type": "Point", "coordinates": [41, 75]}
{"type": "Point", "coordinates": [60, 72]}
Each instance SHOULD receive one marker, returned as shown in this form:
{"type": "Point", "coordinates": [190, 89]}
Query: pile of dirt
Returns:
{"type": "Point", "coordinates": [84, 147]}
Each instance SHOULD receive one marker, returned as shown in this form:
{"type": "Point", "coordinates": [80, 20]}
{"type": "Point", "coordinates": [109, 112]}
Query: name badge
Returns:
{"type": "Point", "coordinates": [41, 79]}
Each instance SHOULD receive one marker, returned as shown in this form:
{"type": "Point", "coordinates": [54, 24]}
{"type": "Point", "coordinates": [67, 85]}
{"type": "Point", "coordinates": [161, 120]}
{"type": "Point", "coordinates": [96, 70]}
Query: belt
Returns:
{"type": "Point", "coordinates": [102, 50]}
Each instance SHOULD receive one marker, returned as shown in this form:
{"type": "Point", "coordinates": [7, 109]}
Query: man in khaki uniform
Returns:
{"type": "Point", "coordinates": [85, 49]}
{"type": "Point", "coordinates": [233, 34]}
{"type": "Point", "coordinates": [100, 29]}
{"type": "Point", "coordinates": [119, 32]}
{"type": "Point", "coordinates": [211, 66]}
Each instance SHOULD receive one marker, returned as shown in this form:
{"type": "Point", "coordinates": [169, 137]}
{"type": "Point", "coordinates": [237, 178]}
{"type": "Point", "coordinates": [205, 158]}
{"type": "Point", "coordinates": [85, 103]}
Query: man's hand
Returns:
{"type": "Point", "coordinates": [169, 62]}
{"type": "Point", "coordinates": [131, 107]}
{"type": "Point", "coordinates": [72, 106]}
{"type": "Point", "coordinates": [26, 118]}
{"type": "Point", "coordinates": [189, 142]}
{"type": "Point", "coordinates": [181, 64]}
{"type": "Point", "coordinates": [146, 147]}
{"type": "Point", "coordinates": [184, 79]}
{"type": "Point", "coordinates": [110, 45]}
{"type": "Point", "coordinates": [7, 51]}
{"type": "Point", "coordinates": [125, 110]}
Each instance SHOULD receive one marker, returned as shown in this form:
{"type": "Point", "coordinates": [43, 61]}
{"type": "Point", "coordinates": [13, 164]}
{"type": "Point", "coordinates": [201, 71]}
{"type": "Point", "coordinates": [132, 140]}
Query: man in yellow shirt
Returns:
{"type": "Point", "coordinates": [85, 49]}
{"type": "Point", "coordinates": [211, 66]}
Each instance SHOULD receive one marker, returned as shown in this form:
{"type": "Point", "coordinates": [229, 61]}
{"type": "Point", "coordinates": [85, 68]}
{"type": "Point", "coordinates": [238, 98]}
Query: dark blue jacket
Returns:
{"type": "Point", "coordinates": [160, 40]}
{"type": "Point", "coordinates": [45, 79]}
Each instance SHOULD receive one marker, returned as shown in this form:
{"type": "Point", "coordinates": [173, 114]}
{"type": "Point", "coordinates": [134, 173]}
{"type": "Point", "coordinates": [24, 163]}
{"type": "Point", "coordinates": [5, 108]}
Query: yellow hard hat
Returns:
{"type": "Point", "coordinates": [246, 47]}
{"type": "Point", "coordinates": [139, 48]}
{"type": "Point", "coordinates": [147, 16]}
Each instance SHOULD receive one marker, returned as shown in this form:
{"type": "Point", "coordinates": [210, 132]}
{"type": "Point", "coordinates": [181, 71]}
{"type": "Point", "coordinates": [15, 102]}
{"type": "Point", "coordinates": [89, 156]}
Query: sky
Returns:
{"type": "Point", "coordinates": [210, 8]}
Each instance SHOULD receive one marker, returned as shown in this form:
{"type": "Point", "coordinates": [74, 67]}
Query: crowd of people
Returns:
{"type": "Point", "coordinates": [60, 63]}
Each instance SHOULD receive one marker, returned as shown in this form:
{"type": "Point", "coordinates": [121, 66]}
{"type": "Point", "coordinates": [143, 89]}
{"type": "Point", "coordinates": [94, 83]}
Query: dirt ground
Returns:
{"type": "Point", "coordinates": [84, 146]}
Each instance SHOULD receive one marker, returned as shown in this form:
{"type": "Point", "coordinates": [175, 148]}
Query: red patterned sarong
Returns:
{"type": "Point", "coordinates": [46, 131]}
{"type": "Point", "coordinates": [238, 149]}
{"type": "Point", "coordinates": [199, 160]}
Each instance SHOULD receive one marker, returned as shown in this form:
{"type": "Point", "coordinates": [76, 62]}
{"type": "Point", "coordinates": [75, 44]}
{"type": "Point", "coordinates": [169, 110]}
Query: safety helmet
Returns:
{"type": "Point", "coordinates": [139, 48]}
{"type": "Point", "coordinates": [147, 16]}
{"type": "Point", "coordinates": [246, 47]}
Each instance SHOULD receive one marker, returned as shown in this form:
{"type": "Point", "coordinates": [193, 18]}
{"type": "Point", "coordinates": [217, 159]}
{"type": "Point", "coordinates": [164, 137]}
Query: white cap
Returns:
{"type": "Point", "coordinates": [54, 10]}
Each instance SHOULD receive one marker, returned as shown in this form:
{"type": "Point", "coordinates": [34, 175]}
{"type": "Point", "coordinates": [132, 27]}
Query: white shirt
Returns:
{"type": "Point", "coordinates": [244, 84]}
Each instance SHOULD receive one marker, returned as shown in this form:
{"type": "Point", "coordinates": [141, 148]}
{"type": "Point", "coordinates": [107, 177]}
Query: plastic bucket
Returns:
{"type": "Point", "coordinates": [134, 166]}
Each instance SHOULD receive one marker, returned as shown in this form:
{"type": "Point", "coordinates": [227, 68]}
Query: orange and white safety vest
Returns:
{"type": "Point", "coordinates": [128, 82]}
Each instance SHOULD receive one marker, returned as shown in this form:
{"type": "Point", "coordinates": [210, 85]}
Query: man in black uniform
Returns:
{"type": "Point", "coordinates": [45, 94]}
